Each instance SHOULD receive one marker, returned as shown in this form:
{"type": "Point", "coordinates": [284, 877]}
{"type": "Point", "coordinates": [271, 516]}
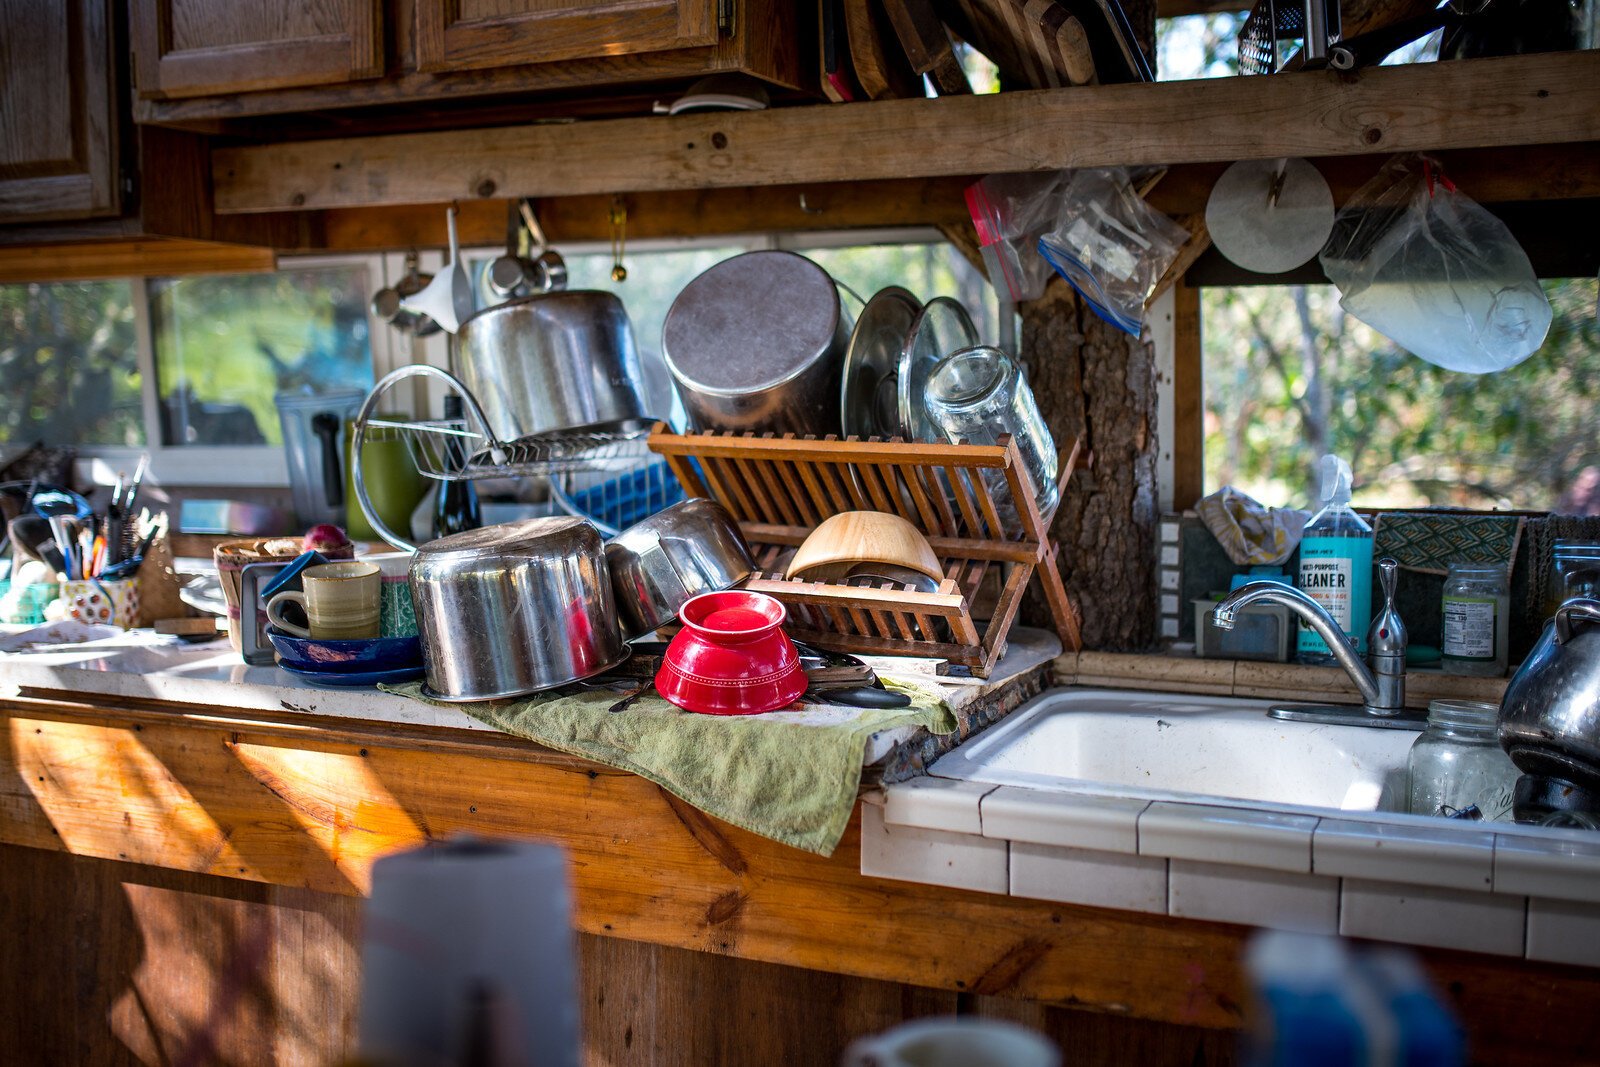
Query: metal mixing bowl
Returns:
{"type": "Point", "coordinates": [513, 609]}
{"type": "Point", "coordinates": [656, 565]}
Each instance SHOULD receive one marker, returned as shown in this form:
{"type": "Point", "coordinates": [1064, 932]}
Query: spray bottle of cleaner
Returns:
{"type": "Point", "coordinates": [1336, 564]}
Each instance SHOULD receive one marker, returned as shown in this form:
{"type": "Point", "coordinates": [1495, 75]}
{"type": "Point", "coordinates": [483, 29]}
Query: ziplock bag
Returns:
{"type": "Point", "coordinates": [1111, 245]}
{"type": "Point", "coordinates": [1010, 212]}
{"type": "Point", "coordinates": [1430, 269]}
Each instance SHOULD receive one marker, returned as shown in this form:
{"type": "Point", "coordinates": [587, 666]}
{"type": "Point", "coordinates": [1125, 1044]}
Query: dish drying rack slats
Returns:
{"type": "Point", "coordinates": [780, 488]}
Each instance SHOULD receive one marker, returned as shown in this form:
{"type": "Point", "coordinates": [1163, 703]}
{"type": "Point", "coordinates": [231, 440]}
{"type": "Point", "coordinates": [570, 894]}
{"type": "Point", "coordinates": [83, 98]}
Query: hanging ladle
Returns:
{"type": "Point", "coordinates": [447, 299]}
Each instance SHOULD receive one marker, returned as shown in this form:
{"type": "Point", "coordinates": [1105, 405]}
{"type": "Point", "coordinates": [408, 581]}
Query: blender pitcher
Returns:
{"type": "Point", "coordinates": [313, 442]}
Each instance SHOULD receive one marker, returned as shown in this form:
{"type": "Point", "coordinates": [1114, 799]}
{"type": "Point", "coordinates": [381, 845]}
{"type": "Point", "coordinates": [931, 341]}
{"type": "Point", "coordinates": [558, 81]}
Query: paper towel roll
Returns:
{"type": "Point", "coordinates": [468, 956]}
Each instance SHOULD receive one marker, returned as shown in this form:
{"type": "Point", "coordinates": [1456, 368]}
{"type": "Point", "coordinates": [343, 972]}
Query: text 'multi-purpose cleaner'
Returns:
{"type": "Point", "coordinates": [1336, 564]}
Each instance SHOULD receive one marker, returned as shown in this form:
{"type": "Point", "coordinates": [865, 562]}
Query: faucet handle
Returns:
{"type": "Point", "coordinates": [1387, 637]}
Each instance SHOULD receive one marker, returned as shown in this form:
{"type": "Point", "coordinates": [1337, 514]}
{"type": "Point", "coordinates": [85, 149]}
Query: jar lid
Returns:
{"type": "Point", "coordinates": [1496, 569]}
{"type": "Point", "coordinates": [1473, 714]}
{"type": "Point", "coordinates": [1566, 546]}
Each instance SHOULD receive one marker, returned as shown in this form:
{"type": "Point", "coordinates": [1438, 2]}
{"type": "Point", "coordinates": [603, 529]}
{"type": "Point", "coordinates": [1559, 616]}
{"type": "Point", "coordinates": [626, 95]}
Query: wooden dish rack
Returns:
{"type": "Point", "coordinates": [780, 488]}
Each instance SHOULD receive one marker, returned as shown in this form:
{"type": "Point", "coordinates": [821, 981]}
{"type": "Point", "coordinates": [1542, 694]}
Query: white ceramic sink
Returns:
{"type": "Point", "coordinates": [1184, 747]}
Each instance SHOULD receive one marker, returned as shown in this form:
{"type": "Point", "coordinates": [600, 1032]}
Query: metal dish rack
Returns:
{"type": "Point", "coordinates": [468, 450]}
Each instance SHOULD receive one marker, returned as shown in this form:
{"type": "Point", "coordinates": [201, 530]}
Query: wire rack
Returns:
{"type": "Point", "coordinates": [449, 451]}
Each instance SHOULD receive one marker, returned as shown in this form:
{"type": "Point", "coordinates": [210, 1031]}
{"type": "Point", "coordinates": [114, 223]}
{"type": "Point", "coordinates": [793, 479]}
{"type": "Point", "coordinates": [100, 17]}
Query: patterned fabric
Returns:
{"type": "Point", "coordinates": [1429, 541]}
{"type": "Point", "coordinates": [1249, 532]}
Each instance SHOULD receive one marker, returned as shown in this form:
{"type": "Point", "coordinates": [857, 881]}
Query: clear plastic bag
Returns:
{"type": "Point", "coordinates": [1111, 245]}
{"type": "Point", "coordinates": [1010, 212]}
{"type": "Point", "coordinates": [1434, 272]}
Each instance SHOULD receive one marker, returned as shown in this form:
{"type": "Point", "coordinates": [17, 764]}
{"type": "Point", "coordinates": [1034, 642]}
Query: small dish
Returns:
{"type": "Point", "coordinates": [731, 657]}
{"type": "Point", "coordinates": [847, 539]}
{"type": "Point", "coordinates": [311, 655]}
{"type": "Point", "coordinates": [356, 678]}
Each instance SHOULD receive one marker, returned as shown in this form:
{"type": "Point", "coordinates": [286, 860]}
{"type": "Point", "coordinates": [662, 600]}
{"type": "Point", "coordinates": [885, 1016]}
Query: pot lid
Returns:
{"type": "Point", "coordinates": [869, 403]}
{"type": "Point", "coordinates": [751, 322]}
{"type": "Point", "coordinates": [943, 327]}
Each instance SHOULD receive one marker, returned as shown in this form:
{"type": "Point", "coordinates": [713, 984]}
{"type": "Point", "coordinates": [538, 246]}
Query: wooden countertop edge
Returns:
{"type": "Point", "coordinates": [314, 808]}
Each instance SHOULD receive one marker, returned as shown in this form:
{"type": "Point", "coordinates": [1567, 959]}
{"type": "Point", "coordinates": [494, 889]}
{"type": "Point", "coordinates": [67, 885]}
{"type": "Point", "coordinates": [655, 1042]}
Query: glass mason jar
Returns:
{"type": "Point", "coordinates": [977, 394]}
{"type": "Point", "coordinates": [1476, 606]}
{"type": "Point", "coordinates": [1574, 571]}
{"type": "Point", "coordinates": [1457, 762]}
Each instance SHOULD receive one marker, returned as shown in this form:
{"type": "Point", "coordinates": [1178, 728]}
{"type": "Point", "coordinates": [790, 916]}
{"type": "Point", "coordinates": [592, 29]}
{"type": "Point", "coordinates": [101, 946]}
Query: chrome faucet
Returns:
{"type": "Point", "coordinates": [1382, 686]}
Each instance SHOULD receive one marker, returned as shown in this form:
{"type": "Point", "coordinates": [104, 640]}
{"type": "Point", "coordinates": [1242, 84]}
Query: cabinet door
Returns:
{"type": "Point", "coordinates": [205, 48]}
{"type": "Point", "coordinates": [475, 34]}
{"type": "Point", "coordinates": [58, 133]}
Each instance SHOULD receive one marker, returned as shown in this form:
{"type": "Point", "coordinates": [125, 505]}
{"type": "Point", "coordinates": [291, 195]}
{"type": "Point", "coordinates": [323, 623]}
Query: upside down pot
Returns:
{"type": "Point", "coordinates": [553, 360]}
{"type": "Point", "coordinates": [514, 609]}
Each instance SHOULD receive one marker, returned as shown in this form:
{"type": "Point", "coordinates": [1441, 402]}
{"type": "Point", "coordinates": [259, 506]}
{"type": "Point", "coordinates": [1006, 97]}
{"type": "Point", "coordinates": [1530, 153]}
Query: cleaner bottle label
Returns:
{"type": "Point", "coordinates": [1331, 573]}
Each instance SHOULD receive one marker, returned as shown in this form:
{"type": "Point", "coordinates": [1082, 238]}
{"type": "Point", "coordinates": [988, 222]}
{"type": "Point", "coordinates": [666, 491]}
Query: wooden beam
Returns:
{"type": "Point", "coordinates": [1540, 99]}
{"type": "Point", "coordinates": [934, 202]}
{"type": "Point", "coordinates": [149, 257]}
{"type": "Point", "coordinates": [1188, 399]}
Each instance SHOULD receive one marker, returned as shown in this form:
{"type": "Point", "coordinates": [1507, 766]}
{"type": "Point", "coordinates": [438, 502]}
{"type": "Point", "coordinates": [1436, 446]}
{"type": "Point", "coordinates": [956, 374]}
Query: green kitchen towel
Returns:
{"type": "Point", "coordinates": [788, 775]}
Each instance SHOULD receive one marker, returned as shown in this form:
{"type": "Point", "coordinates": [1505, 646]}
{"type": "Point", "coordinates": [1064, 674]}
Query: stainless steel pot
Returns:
{"type": "Point", "coordinates": [757, 343]}
{"type": "Point", "coordinates": [656, 565]}
{"type": "Point", "coordinates": [1550, 715]}
{"type": "Point", "coordinates": [552, 360]}
{"type": "Point", "coordinates": [512, 609]}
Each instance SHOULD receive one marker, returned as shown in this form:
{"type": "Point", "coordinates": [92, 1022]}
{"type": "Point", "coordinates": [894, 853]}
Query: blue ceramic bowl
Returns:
{"type": "Point", "coordinates": [368, 654]}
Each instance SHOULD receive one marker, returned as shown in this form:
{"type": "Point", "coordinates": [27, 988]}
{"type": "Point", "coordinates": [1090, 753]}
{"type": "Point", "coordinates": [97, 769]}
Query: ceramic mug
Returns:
{"type": "Point", "coordinates": [340, 602]}
{"type": "Point", "coordinates": [397, 616]}
{"type": "Point", "coordinates": [951, 1042]}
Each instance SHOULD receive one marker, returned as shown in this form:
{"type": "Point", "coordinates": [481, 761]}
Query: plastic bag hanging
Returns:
{"type": "Point", "coordinates": [1010, 213]}
{"type": "Point", "coordinates": [1429, 268]}
{"type": "Point", "coordinates": [1111, 245]}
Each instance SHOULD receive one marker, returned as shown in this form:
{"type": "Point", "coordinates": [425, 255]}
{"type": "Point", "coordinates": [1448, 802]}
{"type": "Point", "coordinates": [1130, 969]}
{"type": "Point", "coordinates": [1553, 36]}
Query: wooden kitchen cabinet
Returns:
{"type": "Point", "coordinates": [418, 64]}
{"type": "Point", "coordinates": [478, 34]}
{"type": "Point", "coordinates": [186, 48]}
{"type": "Point", "coordinates": [58, 120]}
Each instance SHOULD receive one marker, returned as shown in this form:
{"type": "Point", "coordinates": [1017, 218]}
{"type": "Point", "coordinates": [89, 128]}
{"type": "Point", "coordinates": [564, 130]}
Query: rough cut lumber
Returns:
{"type": "Point", "coordinates": [1542, 99]}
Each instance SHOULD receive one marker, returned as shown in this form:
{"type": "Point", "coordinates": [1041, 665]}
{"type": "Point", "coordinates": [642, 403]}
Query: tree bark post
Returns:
{"type": "Point", "coordinates": [1091, 379]}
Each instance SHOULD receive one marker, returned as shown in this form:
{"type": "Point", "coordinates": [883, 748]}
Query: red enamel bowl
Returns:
{"type": "Point", "coordinates": [731, 657]}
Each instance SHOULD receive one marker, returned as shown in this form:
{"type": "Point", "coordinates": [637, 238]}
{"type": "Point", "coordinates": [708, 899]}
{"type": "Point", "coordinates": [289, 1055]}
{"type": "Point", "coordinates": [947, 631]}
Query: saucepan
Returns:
{"type": "Point", "coordinates": [552, 361]}
{"type": "Point", "coordinates": [513, 609]}
{"type": "Point", "coordinates": [658, 564]}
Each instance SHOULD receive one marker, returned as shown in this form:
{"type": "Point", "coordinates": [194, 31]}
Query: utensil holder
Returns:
{"type": "Point", "coordinates": [780, 488]}
{"type": "Point", "coordinates": [92, 600]}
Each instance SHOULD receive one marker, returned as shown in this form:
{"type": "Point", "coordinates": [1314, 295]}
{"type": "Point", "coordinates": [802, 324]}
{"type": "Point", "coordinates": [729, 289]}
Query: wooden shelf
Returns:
{"type": "Point", "coordinates": [1518, 100]}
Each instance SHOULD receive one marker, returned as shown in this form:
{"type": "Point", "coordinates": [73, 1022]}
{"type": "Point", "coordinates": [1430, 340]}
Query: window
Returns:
{"type": "Point", "coordinates": [225, 345]}
{"type": "Point", "coordinates": [189, 368]}
{"type": "Point", "coordinates": [69, 365]}
{"type": "Point", "coordinates": [1288, 375]}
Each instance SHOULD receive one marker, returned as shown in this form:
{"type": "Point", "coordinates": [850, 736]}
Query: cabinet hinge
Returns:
{"type": "Point", "coordinates": [725, 17]}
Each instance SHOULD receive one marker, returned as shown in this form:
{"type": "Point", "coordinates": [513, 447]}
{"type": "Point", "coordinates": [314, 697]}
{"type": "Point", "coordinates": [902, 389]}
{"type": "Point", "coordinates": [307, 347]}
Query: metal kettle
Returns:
{"type": "Point", "coordinates": [1550, 715]}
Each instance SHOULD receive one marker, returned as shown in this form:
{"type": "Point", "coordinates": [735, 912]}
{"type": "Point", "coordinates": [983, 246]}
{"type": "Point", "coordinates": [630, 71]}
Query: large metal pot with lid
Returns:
{"type": "Point", "coordinates": [757, 343]}
{"type": "Point", "coordinates": [554, 360]}
{"type": "Point", "coordinates": [1550, 714]}
{"type": "Point", "coordinates": [515, 608]}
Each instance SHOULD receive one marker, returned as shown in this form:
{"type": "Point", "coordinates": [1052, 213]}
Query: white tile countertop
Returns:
{"type": "Point", "coordinates": [139, 664]}
{"type": "Point", "coordinates": [1489, 887]}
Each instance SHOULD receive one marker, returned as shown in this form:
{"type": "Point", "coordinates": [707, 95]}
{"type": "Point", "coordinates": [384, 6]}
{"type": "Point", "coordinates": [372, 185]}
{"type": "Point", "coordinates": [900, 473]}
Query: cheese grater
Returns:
{"type": "Point", "coordinates": [1314, 22]}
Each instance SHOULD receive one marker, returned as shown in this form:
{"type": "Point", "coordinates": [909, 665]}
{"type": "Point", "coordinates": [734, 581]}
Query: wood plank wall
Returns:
{"type": "Point", "coordinates": [125, 964]}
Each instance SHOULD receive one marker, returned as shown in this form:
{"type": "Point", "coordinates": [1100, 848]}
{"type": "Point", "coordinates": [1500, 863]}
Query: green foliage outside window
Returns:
{"type": "Point", "coordinates": [69, 369]}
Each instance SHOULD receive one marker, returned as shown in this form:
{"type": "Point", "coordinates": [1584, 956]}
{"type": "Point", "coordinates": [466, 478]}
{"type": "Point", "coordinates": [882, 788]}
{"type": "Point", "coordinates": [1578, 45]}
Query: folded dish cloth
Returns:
{"type": "Point", "coordinates": [1248, 531]}
{"type": "Point", "coordinates": [788, 775]}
